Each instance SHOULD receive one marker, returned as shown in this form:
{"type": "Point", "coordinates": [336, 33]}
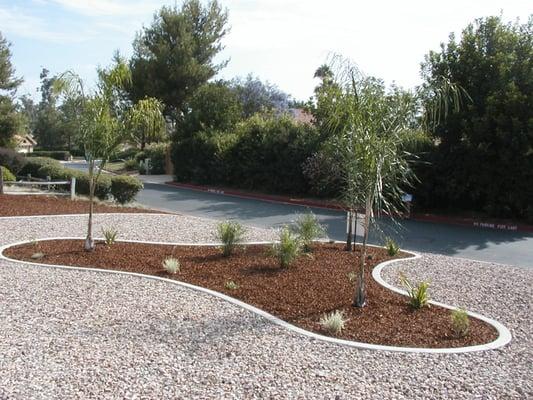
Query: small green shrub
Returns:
{"type": "Point", "coordinates": [33, 165]}
{"type": "Point", "coordinates": [7, 175]}
{"type": "Point", "coordinates": [157, 155]}
{"type": "Point", "coordinates": [102, 189]}
{"type": "Point", "coordinates": [308, 229]}
{"type": "Point", "coordinates": [418, 295]}
{"type": "Point", "coordinates": [231, 285]}
{"type": "Point", "coordinates": [126, 154]}
{"type": "Point", "coordinates": [11, 160]}
{"type": "Point", "coordinates": [288, 249]}
{"type": "Point", "coordinates": [333, 322]}
{"type": "Point", "coordinates": [171, 265]}
{"type": "Point", "coordinates": [460, 322]}
{"type": "Point", "coordinates": [230, 233]}
{"type": "Point", "coordinates": [131, 164]}
{"type": "Point", "coordinates": [124, 188]}
{"type": "Point", "coordinates": [392, 247]}
{"type": "Point", "coordinates": [37, 256]}
{"type": "Point", "coordinates": [110, 236]}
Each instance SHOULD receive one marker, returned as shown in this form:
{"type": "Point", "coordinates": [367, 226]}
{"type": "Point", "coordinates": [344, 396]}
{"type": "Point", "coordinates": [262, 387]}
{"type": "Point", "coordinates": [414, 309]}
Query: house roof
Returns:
{"type": "Point", "coordinates": [25, 140]}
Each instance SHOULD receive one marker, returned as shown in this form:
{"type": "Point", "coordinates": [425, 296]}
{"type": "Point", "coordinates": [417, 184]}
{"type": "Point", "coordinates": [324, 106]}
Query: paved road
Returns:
{"type": "Point", "coordinates": [505, 247]}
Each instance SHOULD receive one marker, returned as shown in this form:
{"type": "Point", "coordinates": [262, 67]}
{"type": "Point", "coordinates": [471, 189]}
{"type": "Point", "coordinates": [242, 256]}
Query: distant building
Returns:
{"type": "Point", "coordinates": [302, 116]}
{"type": "Point", "coordinates": [25, 143]}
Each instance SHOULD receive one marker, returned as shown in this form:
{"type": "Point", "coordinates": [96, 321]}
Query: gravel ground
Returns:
{"type": "Point", "coordinates": [71, 334]}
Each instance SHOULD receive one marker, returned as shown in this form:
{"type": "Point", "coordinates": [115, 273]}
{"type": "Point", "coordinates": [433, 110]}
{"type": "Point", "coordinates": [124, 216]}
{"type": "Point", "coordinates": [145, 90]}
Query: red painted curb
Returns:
{"type": "Point", "coordinates": [469, 222]}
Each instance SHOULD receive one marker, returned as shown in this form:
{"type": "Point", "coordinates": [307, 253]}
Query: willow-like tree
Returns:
{"type": "Point", "coordinates": [373, 127]}
{"type": "Point", "coordinates": [106, 119]}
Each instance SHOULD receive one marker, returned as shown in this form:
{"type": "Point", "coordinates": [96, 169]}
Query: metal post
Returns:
{"type": "Point", "coordinates": [48, 179]}
{"type": "Point", "coordinates": [1, 181]}
{"type": "Point", "coordinates": [72, 188]}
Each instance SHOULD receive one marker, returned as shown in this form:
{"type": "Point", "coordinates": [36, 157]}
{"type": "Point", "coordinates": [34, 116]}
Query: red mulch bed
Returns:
{"type": "Point", "coordinates": [300, 294]}
{"type": "Point", "coordinates": [23, 205]}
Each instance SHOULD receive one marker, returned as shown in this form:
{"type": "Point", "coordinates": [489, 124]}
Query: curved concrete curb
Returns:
{"type": "Point", "coordinates": [503, 338]}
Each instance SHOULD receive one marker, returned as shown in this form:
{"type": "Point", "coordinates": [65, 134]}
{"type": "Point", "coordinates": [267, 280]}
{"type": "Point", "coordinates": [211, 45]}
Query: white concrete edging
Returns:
{"type": "Point", "coordinates": [504, 336]}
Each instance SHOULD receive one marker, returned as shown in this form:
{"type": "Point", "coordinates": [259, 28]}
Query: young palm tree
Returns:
{"type": "Point", "coordinates": [372, 126]}
{"type": "Point", "coordinates": [106, 119]}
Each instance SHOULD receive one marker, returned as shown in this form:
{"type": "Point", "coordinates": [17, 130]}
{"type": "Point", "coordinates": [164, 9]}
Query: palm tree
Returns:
{"type": "Point", "coordinates": [372, 126]}
{"type": "Point", "coordinates": [106, 119]}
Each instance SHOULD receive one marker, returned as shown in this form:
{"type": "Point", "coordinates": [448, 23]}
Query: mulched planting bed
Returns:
{"type": "Point", "coordinates": [24, 205]}
{"type": "Point", "coordinates": [299, 294]}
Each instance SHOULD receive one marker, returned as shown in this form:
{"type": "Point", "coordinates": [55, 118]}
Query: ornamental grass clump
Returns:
{"type": "Point", "coordinates": [230, 233]}
{"type": "Point", "coordinates": [333, 322]}
{"type": "Point", "coordinates": [308, 230]}
{"type": "Point", "coordinates": [418, 295]}
{"type": "Point", "coordinates": [392, 247]}
{"type": "Point", "coordinates": [460, 322]}
{"type": "Point", "coordinates": [171, 265]}
{"type": "Point", "coordinates": [288, 249]}
{"type": "Point", "coordinates": [110, 236]}
{"type": "Point", "coordinates": [230, 285]}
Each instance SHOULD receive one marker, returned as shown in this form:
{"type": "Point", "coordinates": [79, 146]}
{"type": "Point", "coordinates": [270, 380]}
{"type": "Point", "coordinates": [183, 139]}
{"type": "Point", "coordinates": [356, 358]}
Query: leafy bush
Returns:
{"type": "Point", "coordinates": [7, 175]}
{"type": "Point", "coordinates": [125, 188]}
{"type": "Point", "coordinates": [11, 160]}
{"type": "Point", "coordinates": [110, 236]}
{"type": "Point", "coordinates": [418, 295]}
{"type": "Point", "coordinates": [308, 229]}
{"type": "Point", "coordinates": [231, 285]}
{"type": "Point", "coordinates": [102, 189]}
{"type": "Point", "coordinates": [333, 322]}
{"type": "Point", "coordinates": [33, 165]}
{"type": "Point", "coordinates": [392, 247]}
{"type": "Point", "coordinates": [55, 154]}
{"type": "Point", "coordinates": [230, 233]}
{"type": "Point", "coordinates": [157, 155]}
{"type": "Point", "coordinates": [288, 249]}
{"type": "Point", "coordinates": [127, 154]}
{"type": "Point", "coordinates": [131, 164]}
{"type": "Point", "coordinates": [460, 322]}
{"type": "Point", "coordinates": [171, 265]}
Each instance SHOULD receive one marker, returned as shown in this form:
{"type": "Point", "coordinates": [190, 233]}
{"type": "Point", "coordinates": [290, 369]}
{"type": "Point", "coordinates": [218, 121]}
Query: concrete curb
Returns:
{"type": "Point", "coordinates": [503, 338]}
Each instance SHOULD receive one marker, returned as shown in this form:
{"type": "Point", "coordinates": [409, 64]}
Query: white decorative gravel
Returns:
{"type": "Point", "coordinates": [78, 334]}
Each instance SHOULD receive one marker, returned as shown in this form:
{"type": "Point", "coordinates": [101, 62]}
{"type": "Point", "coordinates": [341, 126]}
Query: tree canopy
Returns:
{"type": "Point", "coordinates": [10, 121]}
{"type": "Point", "coordinates": [174, 56]}
{"type": "Point", "coordinates": [483, 157]}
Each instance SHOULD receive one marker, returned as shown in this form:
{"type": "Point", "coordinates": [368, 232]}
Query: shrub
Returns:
{"type": "Point", "coordinates": [7, 175]}
{"type": "Point", "coordinates": [131, 164]}
{"type": "Point", "coordinates": [288, 249]}
{"type": "Point", "coordinates": [230, 233]}
{"type": "Point", "coordinates": [37, 256]}
{"type": "Point", "coordinates": [33, 165]}
{"type": "Point", "coordinates": [110, 236]}
{"type": "Point", "coordinates": [418, 295]}
{"type": "Point", "coordinates": [62, 155]}
{"type": "Point", "coordinates": [171, 265]}
{"type": "Point", "coordinates": [11, 160]}
{"type": "Point", "coordinates": [333, 322]}
{"type": "Point", "coordinates": [125, 188]}
{"type": "Point", "coordinates": [102, 189]}
{"type": "Point", "coordinates": [392, 248]}
{"type": "Point", "coordinates": [127, 154]}
{"type": "Point", "coordinates": [308, 229]}
{"type": "Point", "coordinates": [157, 155]}
{"type": "Point", "coordinates": [460, 322]}
{"type": "Point", "coordinates": [231, 285]}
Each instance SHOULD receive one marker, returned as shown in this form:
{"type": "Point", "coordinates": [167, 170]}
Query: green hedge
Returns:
{"type": "Point", "coordinates": [125, 188]}
{"type": "Point", "coordinates": [11, 160]}
{"type": "Point", "coordinates": [33, 165]}
{"type": "Point", "coordinates": [156, 153]}
{"type": "Point", "coordinates": [7, 175]}
{"type": "Point", "coordinates": [262, 153]}
{"type": "Point", "coordinates": [55, 154]}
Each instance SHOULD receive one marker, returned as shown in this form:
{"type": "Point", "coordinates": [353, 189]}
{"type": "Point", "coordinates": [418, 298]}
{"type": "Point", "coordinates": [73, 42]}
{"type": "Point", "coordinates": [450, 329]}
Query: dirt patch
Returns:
{"type": "Point", "coordinates": [22, 205]}
{"type": "Point", "coordinates": [300, 294]}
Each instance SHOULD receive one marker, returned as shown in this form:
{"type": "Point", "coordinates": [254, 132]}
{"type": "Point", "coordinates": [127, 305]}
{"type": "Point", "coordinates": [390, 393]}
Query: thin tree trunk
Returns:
{"type": "Point", "coordinates": [89, 242]}
{"type": "Point", "coordinates": [349, 233]}
{"type": "Point", "coordinates": [360, 290]}
{"type": "Point", "coordinates": [1, 181]}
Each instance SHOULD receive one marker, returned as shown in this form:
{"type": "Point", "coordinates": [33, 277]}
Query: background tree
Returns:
{"type": "Point", "coordinates": [482, 158]}
{"type": "Point", "coordinates": [105, 119]}
{"type": "Point", "coordinates": [48, 129]}
{"type": "Point", "coordinates": [256, 96]}
{"type": "Point", "coordinates": [174, 56]}
{"type": "Point", "coordinates": [10, 121]}
{"type": "Point", "coordinates": [147, 130]}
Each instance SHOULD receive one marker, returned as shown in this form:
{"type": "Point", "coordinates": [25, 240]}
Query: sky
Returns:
{"type": "Point", "coordinates": [280, 41]}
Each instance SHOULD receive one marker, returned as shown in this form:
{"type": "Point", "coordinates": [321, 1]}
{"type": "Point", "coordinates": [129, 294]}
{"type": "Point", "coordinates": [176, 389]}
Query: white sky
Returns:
{"type": "Point", "coordinates": [282, 41]}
